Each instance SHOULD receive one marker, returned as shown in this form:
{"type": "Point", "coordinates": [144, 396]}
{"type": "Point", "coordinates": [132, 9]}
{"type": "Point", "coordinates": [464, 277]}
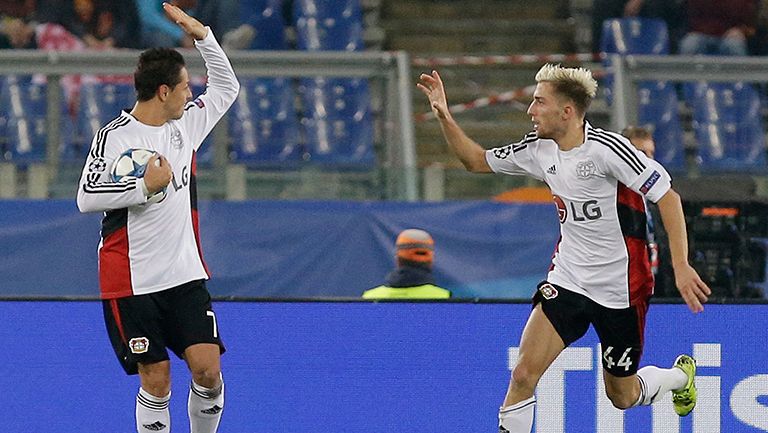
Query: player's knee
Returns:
{"type": "Point", "coordinates": [621, 400]}
{"type": "Point", "coordinates": [157, 385]}
{"type": "Point", "coordinates": [206, 376]}
{"type": "Point", "coordinates": [524, 377]}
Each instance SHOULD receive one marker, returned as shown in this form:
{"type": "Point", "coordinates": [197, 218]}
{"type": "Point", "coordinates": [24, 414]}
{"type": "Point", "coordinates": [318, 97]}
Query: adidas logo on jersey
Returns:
{"type": "Point", "coordinates": [552, 170]}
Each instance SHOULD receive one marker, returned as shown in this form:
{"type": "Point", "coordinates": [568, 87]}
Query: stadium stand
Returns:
{"type": "Point", "coordinates": [657, 100]}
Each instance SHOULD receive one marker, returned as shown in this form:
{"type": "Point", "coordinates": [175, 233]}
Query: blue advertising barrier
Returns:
{"type": "Point", "coordinates": [295, 249]}
{"type": "Point", "coordinates": [378, 368]}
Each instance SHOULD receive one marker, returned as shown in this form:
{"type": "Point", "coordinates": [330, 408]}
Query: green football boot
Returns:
{"type": "Point", "coordinates": [684, 399]}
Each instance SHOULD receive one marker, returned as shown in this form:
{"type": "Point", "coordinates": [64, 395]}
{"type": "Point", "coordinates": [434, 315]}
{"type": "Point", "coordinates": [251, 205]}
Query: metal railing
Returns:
{"type": "Point", "coordinates": [391, 69]}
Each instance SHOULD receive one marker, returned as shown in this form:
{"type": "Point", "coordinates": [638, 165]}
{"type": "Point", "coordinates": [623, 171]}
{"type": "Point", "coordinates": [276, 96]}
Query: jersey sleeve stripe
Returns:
{"type": "Point", "coordinates": [97, 150]}
{"type": "Point", "coordinates": [631, 150]}
{"type": "Point", "coordinates": [621, 152]}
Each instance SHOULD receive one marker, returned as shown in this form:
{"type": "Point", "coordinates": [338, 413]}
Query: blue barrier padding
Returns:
{"type": "Point", "coordinates": [296, 248]}
{"type": "Point", "coordinates": [378, 368]}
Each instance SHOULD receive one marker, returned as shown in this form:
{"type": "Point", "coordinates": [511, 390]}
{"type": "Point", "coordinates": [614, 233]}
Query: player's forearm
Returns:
{"type": "Point", "coordinates": [471, 154]}
{"type": "Point", "coordinates": [221, 76]}
{"type": "Point", "coordinates": [671, 210]}
{"type": "Point", "coordinates": [99, 197]}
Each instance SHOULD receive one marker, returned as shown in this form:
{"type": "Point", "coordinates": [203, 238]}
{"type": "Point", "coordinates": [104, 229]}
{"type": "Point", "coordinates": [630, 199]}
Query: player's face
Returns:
{"type": "Point", "coordinates": [179, 96]}
{"type": "Point", "coordinates": [546, 112]}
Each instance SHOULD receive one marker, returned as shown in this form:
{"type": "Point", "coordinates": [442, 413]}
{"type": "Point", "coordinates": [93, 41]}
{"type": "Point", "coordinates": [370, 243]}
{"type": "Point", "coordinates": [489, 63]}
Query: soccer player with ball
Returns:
{"type": "Point", "coordinates": [140, 172]}
{"type": "Point", "coordinates": [600, 273]}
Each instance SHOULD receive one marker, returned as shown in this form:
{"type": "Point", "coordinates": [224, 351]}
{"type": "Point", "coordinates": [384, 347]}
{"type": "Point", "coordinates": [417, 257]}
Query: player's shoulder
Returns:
{"type": "Point", "coordinates": [513, 149]}
{"type": "Point", "coordinates": [615, 148]}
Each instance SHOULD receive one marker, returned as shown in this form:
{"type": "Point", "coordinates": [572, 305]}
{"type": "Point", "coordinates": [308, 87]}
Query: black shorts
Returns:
{"type": "Point", "coordinates": [620, 329]}
{"type": "Point", "coordinates": [141, 327]}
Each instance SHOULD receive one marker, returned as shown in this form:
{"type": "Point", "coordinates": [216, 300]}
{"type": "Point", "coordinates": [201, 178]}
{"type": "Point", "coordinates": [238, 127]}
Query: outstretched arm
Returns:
{"type": "Point", "coordinates": [190, 25]}
{"type": "Point", "coordinates": [471, 154]}
{"type": "Point", "coordinates": [693, 290]}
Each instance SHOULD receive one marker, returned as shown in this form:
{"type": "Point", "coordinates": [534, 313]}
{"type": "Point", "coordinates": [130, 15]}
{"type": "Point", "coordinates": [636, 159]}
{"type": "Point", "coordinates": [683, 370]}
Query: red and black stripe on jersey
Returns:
{"type": "Point", "coordinates": [630, 207]}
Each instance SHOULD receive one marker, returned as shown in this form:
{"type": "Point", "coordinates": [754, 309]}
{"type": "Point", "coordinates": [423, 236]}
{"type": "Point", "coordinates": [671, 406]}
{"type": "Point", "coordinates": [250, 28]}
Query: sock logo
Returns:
{"type": "Point", "coordinates": [155, 426]}
{"type": "Point", "coordinates": [212, 411]}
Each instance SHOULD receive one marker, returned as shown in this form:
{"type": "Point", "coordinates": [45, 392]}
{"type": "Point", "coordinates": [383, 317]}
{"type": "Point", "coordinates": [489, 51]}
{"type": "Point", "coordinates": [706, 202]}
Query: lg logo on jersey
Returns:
{"type": "Point", "coordinates": [184, 179]}
{"type": "Point", "coordinates": [584, 211]}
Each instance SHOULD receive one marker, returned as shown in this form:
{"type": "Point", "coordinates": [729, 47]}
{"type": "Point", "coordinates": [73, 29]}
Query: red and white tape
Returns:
{"type": "Point", "coordinates": [520, 59]}
{"type": "Point", "coordinates": [500, 98]}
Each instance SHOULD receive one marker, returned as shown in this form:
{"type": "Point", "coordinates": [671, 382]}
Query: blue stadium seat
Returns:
{"type": "Point", "coordinates": [657, 100]}
{"type": "Point", "coordinates": [728, 126]}
{"type": "Point", "coordinates": [337, 120]}
{"type": "Point", "coordinates": [24, 105]}
{"type": "Point", "coordinates": [658, 112]}
{"type": "Point", "coordinates": [266, 17]}
{"type": "Point", "coordinates": [99, 104]}
{"type": "Point", "coordinates": [263, 126]}
{"type": "Point", "coordinates": [323, 25]}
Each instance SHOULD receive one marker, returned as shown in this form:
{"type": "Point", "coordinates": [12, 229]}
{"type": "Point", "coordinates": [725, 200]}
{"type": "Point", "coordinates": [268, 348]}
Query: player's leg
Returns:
{"type": "Point", "coordinates": [621, 339]}
{"type": "Point", "coordinates": [539, 346]}
{"type": "Point", "coordinates": [135, 332]}
{"type": "Point", "coordinates": [194, 336]}
{"type": "Point", "coordinates": [154, 395]}
{"type": "Point", "coordinates": [551, 326]}
{"type": "Point", "coordinates": [206, 391]}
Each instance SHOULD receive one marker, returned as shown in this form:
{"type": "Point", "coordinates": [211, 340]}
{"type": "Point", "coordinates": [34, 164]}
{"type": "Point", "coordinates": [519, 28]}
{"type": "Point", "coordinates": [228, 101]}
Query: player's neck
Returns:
{"type": "Point", "coordinates": [149, 113]}
{"type": "Point", "coordinates": [572, 137]}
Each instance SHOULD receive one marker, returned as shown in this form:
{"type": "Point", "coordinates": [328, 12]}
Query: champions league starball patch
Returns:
{"type": "Point", "coordinates": [655, 176]}
{"type": "Point", "coordinates": [139, 345]}
{"type": "Point", "coordinates": [98, 165]}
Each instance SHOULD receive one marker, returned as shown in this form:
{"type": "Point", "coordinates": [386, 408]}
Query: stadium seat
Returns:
{"type": "Point", "coordinates": [337, 120]}
{"type": "Point", "coordinates": [328, 25]}
{"type": "Point", "coordinates": [263, 125]}
{"type": "Point", "coordinates": [658, 112]}
{"type": "Point", "coordinates": [24, 106]}
{"type": "Point", "coordinates": [728, 126]}
{"type": "Point", "coordinates": [99, 104]}
{"type": "Point", "coordinates": [266, 18]}
{"type": "Point", "coordinates": [657, 100]}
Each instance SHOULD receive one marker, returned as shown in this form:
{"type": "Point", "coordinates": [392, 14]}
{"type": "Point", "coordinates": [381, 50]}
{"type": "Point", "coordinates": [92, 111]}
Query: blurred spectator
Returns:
{"type": "Point", "coordinates": [98, 24]}
{"type": "Point", "coordinates": [157, 30]}
{"type": "Point", "coordinates": [717, 27]}
{"type": "Point", "coordinates": [668, 10]}
{"type": "Point", "coordinates": [16, 28]}
{"type": "Point", "coordinates": [23, 9]}
{"type": "Point", "coordinates": [222, 16]}
{"type": "Point", "coordinates": [412, 278]}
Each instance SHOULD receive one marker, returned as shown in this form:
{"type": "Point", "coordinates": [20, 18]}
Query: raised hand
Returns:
{"type": "Point", "coordinates": [432, 86]}
{"type": "Point", "coordinates": [193, 27]}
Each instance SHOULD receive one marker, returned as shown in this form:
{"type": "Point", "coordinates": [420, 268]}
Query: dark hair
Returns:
{"type": "Point", "coordinates": [157, 66]}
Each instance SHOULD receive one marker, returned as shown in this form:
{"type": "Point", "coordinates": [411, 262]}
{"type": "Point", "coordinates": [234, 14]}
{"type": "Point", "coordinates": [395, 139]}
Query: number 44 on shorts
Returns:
{"type": "Point", "coordinates": [624, 361]}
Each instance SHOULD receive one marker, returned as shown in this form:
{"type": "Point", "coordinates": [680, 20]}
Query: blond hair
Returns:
{"type": "Point", "coordinates": [575, 84]}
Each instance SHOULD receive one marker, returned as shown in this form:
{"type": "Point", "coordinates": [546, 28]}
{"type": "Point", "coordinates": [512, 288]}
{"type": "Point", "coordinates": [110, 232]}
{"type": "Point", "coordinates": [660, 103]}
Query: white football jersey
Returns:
{"type": "Point", "coordinates": [147, 248]}
{"type": "Point", "coordinates": [598, 189]}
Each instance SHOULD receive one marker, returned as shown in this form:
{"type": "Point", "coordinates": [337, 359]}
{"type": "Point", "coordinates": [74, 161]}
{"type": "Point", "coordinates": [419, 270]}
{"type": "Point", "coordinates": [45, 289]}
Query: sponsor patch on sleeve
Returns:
{"type": "Point", "coordinates": [650, 182]}
{"type": "Point", "coordinates": [199, 102]}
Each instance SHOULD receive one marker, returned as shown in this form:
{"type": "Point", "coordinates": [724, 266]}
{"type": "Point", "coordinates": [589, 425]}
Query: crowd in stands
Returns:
{"type": "Point", "coordinates": [714, 27]}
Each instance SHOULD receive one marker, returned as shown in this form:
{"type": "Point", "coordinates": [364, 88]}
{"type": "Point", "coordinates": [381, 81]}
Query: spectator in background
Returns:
{"type": "Point", "coordinates": [99, 24]}
{"type": "Point", "coordinates": [16, 27]}
{"type": "Point", "coordinates": [157, 30]}
{"type": "Point", "coordinates": [717, 27]}
{"type": "Point", "coordinates": [412, 278]}
{"type": "Point", "coordinates": [667, 10]}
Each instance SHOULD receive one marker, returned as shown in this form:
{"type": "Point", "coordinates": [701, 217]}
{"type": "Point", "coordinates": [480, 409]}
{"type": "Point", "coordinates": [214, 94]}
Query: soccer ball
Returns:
{"type": "Point", "coordinates": [133, 163]}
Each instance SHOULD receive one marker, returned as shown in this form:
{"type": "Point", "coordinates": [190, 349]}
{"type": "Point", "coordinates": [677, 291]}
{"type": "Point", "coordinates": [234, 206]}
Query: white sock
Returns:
{"type": "Point", "coordinates": [205, 406]}
{"type": "Point", "coordinates": [152, 413]}
{"type": "Point", "coordinates": [656, 382]}
{"type": "Point", "coordinates": [517, 418]}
